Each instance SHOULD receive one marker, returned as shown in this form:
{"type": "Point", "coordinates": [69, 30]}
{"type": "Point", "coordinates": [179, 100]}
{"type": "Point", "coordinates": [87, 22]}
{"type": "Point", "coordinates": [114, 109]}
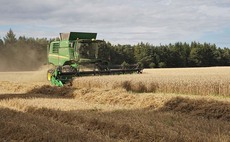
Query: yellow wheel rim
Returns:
{"type": "Point", "coordinates": [49, 76]}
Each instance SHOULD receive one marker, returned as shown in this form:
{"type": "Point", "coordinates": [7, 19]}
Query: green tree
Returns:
{"type": "Point", "coordinates": [225, 57]}
{"type": "Point", "coordinates": [10, 38]}
{"type": "Point", "coordinates": [152, 65]}
{"type": "Point", "coordinates": [1, 43]}
{"type": "Point", "coordinates": [162, 65]}
{"type": "Point", "coordinates": [204, 55]}
{"type": "Point", "coordinates": [128, 54]}
{"type": "Point", "coordinates": [125, 65]}
{"type": "Point", "coordinates": [164, 56]}
{"type": "Point", "coordinates": [104, 51]}
{"type": "Point", "coordinates": [146, 61]}
{"type": "Point", "coordinates": [143, 53]}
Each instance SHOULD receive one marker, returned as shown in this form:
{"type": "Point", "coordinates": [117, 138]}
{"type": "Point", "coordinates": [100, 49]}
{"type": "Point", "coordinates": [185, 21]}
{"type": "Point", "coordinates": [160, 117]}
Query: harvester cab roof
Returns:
{"type": "Point", "coordinates": [78, 35]}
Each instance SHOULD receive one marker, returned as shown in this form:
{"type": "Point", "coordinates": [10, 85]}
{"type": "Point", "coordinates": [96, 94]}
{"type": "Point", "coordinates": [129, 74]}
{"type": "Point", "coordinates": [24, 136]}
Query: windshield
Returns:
{"type": "Point", "coordinates": [88, 50]}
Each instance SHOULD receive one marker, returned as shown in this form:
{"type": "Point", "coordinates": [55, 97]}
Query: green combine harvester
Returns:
{"type": "Point", "coordinates": [76, 54]}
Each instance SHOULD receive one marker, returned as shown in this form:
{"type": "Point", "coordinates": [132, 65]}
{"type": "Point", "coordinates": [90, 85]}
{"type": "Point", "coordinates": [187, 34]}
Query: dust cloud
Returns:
{"type": "Point", "coordinates": [22, 58]}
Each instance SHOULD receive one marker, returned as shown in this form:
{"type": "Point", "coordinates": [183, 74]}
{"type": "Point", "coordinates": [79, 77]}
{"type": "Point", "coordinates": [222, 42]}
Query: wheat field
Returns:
{"type": "Point", "coordinates": [189, 104]}
{"type": "Point", "coordinates": [192, 81]}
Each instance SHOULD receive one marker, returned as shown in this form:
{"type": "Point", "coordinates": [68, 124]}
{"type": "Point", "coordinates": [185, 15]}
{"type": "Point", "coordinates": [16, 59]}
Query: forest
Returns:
{"type": "Point", "coordinates": [28, 53]}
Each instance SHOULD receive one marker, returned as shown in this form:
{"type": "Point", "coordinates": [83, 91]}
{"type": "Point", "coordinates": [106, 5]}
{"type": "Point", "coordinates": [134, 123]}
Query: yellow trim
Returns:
{"type": "Point", "coordinates": [49, 76]}
{"type": "Point", "coordinates": [58, 56]}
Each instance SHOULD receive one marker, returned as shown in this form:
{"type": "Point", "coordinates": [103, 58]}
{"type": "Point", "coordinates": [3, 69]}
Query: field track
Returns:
{"type": "Point", "coordinates": [158, 105]}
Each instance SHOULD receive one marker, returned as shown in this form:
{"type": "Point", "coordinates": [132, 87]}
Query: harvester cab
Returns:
{"type": "Point", "coordinates": [76, 54]}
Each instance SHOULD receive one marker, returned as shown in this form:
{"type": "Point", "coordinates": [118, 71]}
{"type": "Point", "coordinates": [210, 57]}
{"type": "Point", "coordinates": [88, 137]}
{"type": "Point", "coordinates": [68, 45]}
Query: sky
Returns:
{"type": "Point", "coordinates": [121, 21]}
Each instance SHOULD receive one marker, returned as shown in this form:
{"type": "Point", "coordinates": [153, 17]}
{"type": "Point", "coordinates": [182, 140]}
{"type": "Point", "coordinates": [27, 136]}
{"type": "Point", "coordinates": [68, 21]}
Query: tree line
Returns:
{"type": "Point", "coordinates": [175, 55]}
{"type": "Point", "coordinates": [25, 53]}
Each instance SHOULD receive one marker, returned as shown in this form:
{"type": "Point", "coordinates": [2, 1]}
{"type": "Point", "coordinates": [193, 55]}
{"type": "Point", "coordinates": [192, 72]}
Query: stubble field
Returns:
{"type": "Point", "coordinates": [190, 104]}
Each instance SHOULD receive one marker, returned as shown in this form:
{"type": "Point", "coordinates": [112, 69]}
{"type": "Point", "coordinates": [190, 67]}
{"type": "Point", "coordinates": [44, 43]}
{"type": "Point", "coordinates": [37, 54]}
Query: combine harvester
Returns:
{"type": "Point", "coordinates": [76, 54]}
